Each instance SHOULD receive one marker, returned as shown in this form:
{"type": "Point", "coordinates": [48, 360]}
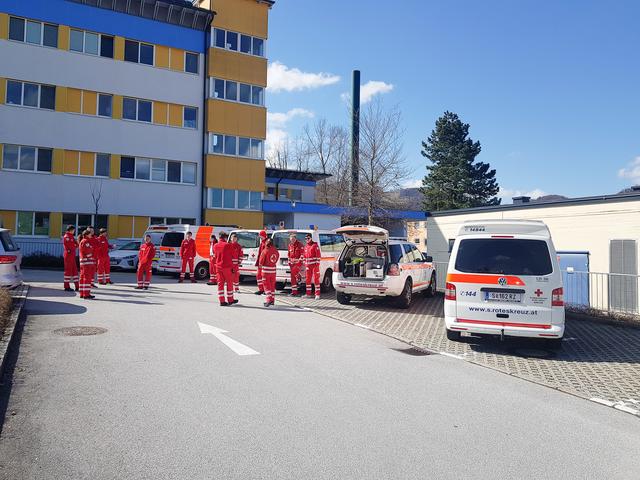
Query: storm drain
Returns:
{"type": "Point", "coordinates": [414, 352]}
{"type": "Point", "coordinates": [79, 331]}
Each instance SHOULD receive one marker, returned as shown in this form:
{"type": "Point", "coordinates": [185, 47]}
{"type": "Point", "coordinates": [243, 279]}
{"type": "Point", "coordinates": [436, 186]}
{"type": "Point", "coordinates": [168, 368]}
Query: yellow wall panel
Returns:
{"type": "Point", "coordinates": [253, 220]}
{"type": "Point", "coordinates": [177, 59]}
{"type": "Point", "coordinates": [245, 16]}
{"type": "Point", "coordinates": [160, 113]}
{"type": "Point", "coordinates": [115, 166]}
{"type": "Point", "coordinates": [118, 48]}
{"type": "Point", "coordinates": [4, 26]}
{"type": "Point", "coordinates": [55, 225]}
{"type": "Point", "coordinates": [89, 102]}
{"type": "Point", "coordinates": [63, 37]}
{"type": "Point", "coordinates": [57, 165]}
{"type": "Point", "coordinates": [117, 107]}
{"type": "Point", "coordinates": [61, 99]}
{"type": "Point", "coordinates": [3, 90]}
{"type": "Point", "coordinates": [74, 100]}
{"type": "Point", "coordinates": [8, 220]}
{"type": "Point", "coordinates": [112, 226]}
{"type": "Point", "coordinates": [87, 163]}
{"type": "Point", "coordinates": [71, 162]}
{"type": "Point", "coordinates": [162, 56]}
{"type": "Point", "coordinates": [235, 173]}
{"type": "Point", "coordinates": [175, 115]}
{"type": "Point", "coordinates": [125, 226]}
{"type": "Point", "coordinates": [236, 66]}
{"type": "Point", "coordinates": [236, 119]}
{"type": "Point", "coordinates": [140, 226]}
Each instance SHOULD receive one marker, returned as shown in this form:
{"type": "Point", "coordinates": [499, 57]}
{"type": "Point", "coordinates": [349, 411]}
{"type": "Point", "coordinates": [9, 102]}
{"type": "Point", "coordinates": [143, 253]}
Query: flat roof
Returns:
{"type": "Point", "coordinates": [618, 197]}
{"type": "Point", "coordinates": [295, 174]}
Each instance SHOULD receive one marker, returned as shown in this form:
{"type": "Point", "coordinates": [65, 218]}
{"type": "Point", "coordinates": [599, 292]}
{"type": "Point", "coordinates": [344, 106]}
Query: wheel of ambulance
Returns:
{"type": "Point", "coordinates": [343, 298]}
{"type": "Point", "coordinates": [202, 271]}
{"type": "Point", "coordinates": [404, 300]}
{"type": "Point", "coordinates": [554, 343]}
{"type": "Point", "coordinates": [327, 283]}
{"type": "Point", "coordinates": [431, 291]}
{"type": "Point", "coordinates": [453, 335]}
{"type": "Point", "coordinates": [280, 286]}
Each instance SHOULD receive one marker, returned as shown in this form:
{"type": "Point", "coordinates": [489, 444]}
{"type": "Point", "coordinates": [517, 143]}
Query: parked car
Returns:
{"type": "Point", "coordinates": [250, 241]}
{"type": "Point", "coordinates": [10, 259]}
{"type": "Point", "coordinates": [372, 265]}
{"type": "Point", "coordinates": [504, 279]}
{"type": "Point", "coordinates": [125, 256]}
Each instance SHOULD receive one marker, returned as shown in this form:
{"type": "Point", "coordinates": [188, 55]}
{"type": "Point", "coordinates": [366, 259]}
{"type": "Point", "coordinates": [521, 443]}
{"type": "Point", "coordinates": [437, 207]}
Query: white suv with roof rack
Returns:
{"type": "Point", "coordinates": [372, 265]}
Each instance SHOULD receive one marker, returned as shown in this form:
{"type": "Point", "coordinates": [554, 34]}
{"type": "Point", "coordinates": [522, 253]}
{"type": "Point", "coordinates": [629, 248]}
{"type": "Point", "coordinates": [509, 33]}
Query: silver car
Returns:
{"type": "Point", "coordinates": [125, 257]}
{"type": "Point", "coordinates": [10, 259]}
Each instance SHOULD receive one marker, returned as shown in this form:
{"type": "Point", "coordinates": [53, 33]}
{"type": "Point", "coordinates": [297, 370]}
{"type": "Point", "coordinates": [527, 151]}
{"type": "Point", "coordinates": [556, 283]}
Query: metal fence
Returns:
{"type": "Point", "coordinates": [30, 247]}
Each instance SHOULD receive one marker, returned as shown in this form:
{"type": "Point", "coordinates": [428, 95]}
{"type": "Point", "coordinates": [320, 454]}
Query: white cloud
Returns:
{"type": "Point", "coordinates": [279, 119]}
{"type": "Point", "coordinates": [417, 183]}
{"type": "Point", "coordinates": [276, 137]}
{"type": "Point", "coordinates": [632, 171]}
{"type": "Point", "coordinates": [369, 90]}
{"type": "Point", "coordinates": [282, 78]}
{"type": "Point", "coordinates": [506, 194]}
{"type": "Point", "coordinates": [277, 134]}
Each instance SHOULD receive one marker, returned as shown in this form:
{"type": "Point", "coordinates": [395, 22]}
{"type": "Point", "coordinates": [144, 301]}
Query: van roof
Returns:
{"type": "Point", "coordinates": [505, 227]}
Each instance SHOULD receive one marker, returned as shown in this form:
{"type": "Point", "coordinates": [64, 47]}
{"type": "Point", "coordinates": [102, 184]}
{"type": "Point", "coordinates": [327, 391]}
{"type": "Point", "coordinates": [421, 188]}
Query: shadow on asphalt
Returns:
{"type": "Point", "coordinates": [133, 302]}
{"type": "Point", "coordinates": [6, 380]}
{"type": "Point", "coordinates": [49, 292]}
{"type": "Point", "coordinates": [50, 307]}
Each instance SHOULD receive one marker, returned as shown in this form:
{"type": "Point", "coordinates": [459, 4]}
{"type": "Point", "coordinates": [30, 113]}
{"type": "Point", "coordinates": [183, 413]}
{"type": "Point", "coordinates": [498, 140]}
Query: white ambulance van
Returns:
{"type": "Point", "coordinates": [504, 279]}
{"type": "Point", "coordinates": [250, 241]}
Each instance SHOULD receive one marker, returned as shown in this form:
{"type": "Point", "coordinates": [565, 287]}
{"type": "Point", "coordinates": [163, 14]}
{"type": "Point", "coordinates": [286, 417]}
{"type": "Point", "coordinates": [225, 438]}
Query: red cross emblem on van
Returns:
{"type": "Point", "coordinates": [538, 292]}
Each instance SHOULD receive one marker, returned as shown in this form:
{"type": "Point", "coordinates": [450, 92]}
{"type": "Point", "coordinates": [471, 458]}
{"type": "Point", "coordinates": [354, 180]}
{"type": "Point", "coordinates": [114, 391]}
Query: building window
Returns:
{"type": "Point", "coordinates": [103, 165]}
{"type": "Point", "coordinates": [230, 145]}
{"type": "Point", "coordinates": [191, 62]}
{"type": "Point", "coordinates": [31, 95]}
{"type": "Point", "coordinates": [33, 223]}
{"type": "Point", "coordinates": [134, 109]}
{"type": "Point", "coordinates": [83, 220]}
{"type": "Point", "coordinates": [189, 173]}
{"type": "Point", "coordinates": [29, 159]}
{"type": "Point", "coordinates": [91, 43]}
{"type": "Point", "coordinates": [189, 119]}
{"type": "Point", "coordinates": [106, 46]}
{"type": "Point", "coordinates": [172, 221]}
{"type": "Point", "coordinates": [127, 167]}
{"type": "Point", "coordinates": [233, 199]}
{"type": "Point", "coordinates": [105, 105]}
{"type": "Point", "coordinates": [231, 91]}
{"type": "Point", "coordinates": [236, 146]}
{"type": "Point", "coordinates": [237, 42]}
{"type": "Point", "coordinates": [143, 169]}
{"type": "Point", "coordinates": [138, 52]}
{"type": "Point", "coordinates": [236, 92]}
{"type": "Point", "coordinates": [37, 33]}
{"type": "Point", "coordinates": [258, 47]}
{"type": "Point", "coordinates": [174, 172]}
{"type": "Point", "coordinates": [157, 170]}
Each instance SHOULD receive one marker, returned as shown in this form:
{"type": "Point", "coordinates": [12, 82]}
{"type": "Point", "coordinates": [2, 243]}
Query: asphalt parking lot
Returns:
{"type": "Point", "coordinates": [598, 361]}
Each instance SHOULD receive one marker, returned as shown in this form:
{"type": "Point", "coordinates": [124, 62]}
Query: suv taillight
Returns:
{"type": "Point", "coordinates": [336, 266]}
{"type": "Point", "coordinates": [557, 297]}
{"type": "Point", "coordinates": [7, 258]}
{"type": "Point", "coordinates": [450, 291]}
{"type": "Point", "coordinates": [394, 270]}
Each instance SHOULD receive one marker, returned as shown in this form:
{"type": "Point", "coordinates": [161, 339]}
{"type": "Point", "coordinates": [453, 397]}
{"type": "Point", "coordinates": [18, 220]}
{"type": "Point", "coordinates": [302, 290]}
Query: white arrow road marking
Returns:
{"type": "Point", "coordinates": [237, 347]}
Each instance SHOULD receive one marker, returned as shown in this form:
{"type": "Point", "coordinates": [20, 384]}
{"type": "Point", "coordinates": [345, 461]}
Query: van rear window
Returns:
{"type": "Point", "coordinates": [504, 256]}
{"type": "Point", "coordinates": [172, 239]}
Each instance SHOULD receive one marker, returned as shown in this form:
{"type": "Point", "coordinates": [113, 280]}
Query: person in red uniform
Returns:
{"type": "Point", "coordinates": [236, 255]}
{"type": "Point", "coordinates": [87, 264]}
{"type": "Point", "coordinates": [212, 261]}
{"type": "Point", "coordinates": [259, 279]}
{"type": "Point", "coordinates": [96, 249]}
{"type": "Point", "coordinates": [312, 265]}
{"type": "Point", "coordinates": [69, 247]}
{"type": "Point", "coordinates": [268, 261]}
{"type": "Point", "coordinates": [296, 250]}
{"type": "Point", "coordinates": [104, 263]}
{"type": "Point", "coordinates": [145, 260]}
{"type": "Point", "coordinates": [224, 268]}
{"type": "Point", "coordinates": [188, 255]}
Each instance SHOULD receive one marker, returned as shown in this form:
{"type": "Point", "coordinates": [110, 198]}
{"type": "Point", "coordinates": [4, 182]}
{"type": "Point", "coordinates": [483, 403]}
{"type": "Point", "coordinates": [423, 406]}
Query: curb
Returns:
{"type": "Point", "coordinates": [20, 297]}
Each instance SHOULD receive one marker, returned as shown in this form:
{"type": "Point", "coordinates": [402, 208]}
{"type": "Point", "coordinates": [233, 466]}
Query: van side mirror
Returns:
{"type": "Point", "coordinates": [428, 258]}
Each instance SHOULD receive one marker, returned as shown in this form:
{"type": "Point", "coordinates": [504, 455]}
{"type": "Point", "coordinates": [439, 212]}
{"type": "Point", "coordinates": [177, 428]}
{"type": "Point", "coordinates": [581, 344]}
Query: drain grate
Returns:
{"type": "Point", "coordinates": [79, 331]}
{"type": "Point", "coordinates": [414, 352]}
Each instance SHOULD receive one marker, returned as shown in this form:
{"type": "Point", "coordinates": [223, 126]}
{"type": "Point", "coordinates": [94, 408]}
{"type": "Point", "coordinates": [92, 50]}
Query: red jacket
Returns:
{"type": "Point", "coordinates": [69, 245]}
{"type": "Point", "coordinates": [269, 259]}
{"type": "Point", "coordinates": [102, 249]}
{"type": "Point", "coordinates": [87, 252]}
{"type": "Point", "coordinates": [188, 248]}
{"type": "Point", "coordinates": [236, 253]}
{"type": "Point", "coordinates": [311, 254]}
{"type": "Point", "coordinates": [223, 253]}
{"type": "Point", "coordinates": [296, 250]}
{"type": "Point", "coordinates": [260, 248]}
{"type": "Point", "coordinates": [147, 253]}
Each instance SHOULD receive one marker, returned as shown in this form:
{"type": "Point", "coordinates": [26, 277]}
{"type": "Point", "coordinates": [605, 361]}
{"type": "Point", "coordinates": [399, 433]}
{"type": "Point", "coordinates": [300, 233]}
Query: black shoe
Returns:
{"type": "Point", "coordinates": [109, 282]}
{"type": "Point", "coordinates": [76, 289]}
{"type": "Point", "coordinates": [294, 294]}
{"type": "Point", "coordinates": [210, 283]}
{"type": "Point", "coordinates": [93, 285]}
{"type": "Point", "coordinates": [90, 297]}
{"type": "Point", "coordinates": [234, 302]}
{"type": "Point", "coordinates": [146, 288]}
{"type": "Point", "coordinates": [266, 304]}
{"type": "Point", "coordinates": [224, 304]}
{"type": "Point", "coordinates": [259, 292]}
{"type": "Point", "coordinates": [194, 281]}
{"type": "Point", "coordinates": [138, 288]}
{"type": "Point", "coordinates": [68, 290]}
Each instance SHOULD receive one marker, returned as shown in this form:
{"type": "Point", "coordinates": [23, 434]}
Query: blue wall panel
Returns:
{"type": "Point", "coordinates": [107, 21]}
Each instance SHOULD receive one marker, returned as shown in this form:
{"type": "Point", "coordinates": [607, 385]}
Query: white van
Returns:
{"type": "Point", "coordinates": [504, 279]}
{"type": "Point", "coordinates": [250, 241]}
{"type": "Point", "coordinates": [374, 265]}
{"type": "Point", "coordinates": [330, 243]}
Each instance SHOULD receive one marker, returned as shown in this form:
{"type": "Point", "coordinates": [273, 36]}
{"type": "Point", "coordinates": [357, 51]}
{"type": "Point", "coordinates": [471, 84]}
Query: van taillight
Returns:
{"type": "Point", "coordinates": [394, 270]}
{"type": "Point", "coordinates": [557, 297]}
{"type": "Point", "coordinates": [450, 291]}
{"type": "Point", "coordinates": [7, 258]}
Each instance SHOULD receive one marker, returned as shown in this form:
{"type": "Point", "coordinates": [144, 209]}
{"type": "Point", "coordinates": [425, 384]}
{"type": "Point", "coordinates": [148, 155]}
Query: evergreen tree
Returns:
{"type": "Point", "coordinates": [454, 179]}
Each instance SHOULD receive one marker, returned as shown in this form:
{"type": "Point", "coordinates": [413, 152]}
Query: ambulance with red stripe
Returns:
{"type": "Point", "coordinates": [504, 279]}
{"type": "Point", "coordinates": [373, 265]}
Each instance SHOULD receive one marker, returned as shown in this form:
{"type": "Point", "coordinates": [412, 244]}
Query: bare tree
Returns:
{"type": "Point", "coordinates": [279, 156]}
{"type": "Point", "coordinates": [96, 196]}
{"type": "Point", "coordinates": [322, 141]}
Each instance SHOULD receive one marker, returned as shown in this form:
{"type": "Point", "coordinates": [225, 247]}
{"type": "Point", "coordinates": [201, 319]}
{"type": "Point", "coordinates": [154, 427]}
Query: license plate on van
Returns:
{"type": "Point", "coordinates": [503, 297]}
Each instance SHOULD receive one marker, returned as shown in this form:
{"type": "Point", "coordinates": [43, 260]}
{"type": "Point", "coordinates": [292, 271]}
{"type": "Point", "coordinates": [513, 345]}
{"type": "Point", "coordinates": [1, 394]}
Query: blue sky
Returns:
{"type": "Point", "coordinates": [551, 89]}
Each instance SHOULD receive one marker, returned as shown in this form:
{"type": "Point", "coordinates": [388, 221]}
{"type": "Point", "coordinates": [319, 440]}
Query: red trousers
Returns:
{"type": "Point", "coordinates": [313, 275]}
{"type": "Point", "coordinates": [236, 276]}
{"type": "Point", "coordinates": [87, 271]}
{"type": "Point", "coordinates": [212, 269]}
{"type": "Point", "coordinates": [185, 262]}
{"type": "Point", "coordinates": [260, 280]}
{"type": "Point", "coordinates": [295, 276]}
{"type": "Point", "coordinates": [104, 269]}
{"type": "Point", "coordinates": [71, 272]}
{"type": "Point", "coordinates": [144, 270]}
{"type": "Point", "coordinates": [225, 279]}
{"type": "Point", "coordinates": [270, 285]}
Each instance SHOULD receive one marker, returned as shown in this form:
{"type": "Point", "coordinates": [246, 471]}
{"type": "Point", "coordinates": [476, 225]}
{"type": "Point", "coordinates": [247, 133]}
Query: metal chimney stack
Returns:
{"type": "Point", "coordinates": [355, 138]}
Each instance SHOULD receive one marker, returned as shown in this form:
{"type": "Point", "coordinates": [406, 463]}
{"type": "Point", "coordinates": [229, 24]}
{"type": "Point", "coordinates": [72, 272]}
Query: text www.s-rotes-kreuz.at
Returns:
{"type": "Point", "coordinates": [503, 310]}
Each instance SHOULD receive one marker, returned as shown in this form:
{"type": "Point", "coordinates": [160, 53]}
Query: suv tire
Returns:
{"type": "Point", "coordinates": [431, 290]}
{"type": "Point", "coordinates": [453, 335]}
{"type": "Point", "coordinates": [327, 283]}
{"type": "Point", "coordinates": [343, 298]}
{"type": "Point", "coordinates": [404, 299]}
